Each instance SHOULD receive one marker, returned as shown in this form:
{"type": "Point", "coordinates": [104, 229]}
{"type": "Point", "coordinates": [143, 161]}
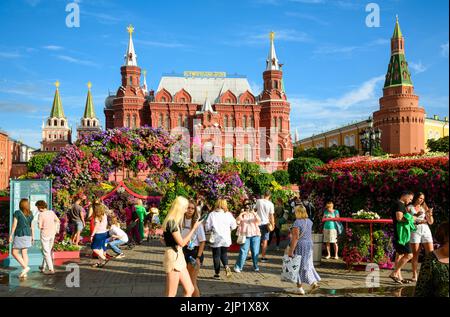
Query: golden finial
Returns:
{"type": "Point", "coordinates": [57, 84]}
{"type": "Point", "coordinates": [272, 35]}
{"type": "Point", "coordinates": [396, 17]}
{"type": "Point", "coordinates": [145, 73]}
{"type": "Point", "coordinates": [89, 84]}
{"type": "Point", "coordinates": [130, 29]}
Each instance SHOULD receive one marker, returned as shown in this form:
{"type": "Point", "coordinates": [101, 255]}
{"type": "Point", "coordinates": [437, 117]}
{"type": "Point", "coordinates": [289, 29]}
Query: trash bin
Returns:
{"type": "Point", "coordinates": [317, 248]}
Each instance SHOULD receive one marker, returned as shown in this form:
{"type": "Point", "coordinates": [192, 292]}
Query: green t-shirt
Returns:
{"type": "Point", "coordinates": [140, 210]}
{"type": "Point", "coordinates": [23, 224]}
{"type": "Point", "coordinates": [330, 224]}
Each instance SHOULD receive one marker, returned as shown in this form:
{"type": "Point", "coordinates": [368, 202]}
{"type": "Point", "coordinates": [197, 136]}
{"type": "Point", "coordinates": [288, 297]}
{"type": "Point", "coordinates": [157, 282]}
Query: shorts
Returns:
{"type": "Point", "coordinates": [22, 242]}
{"type": "Point", "coordinates": [174, 260]}
{"type": "Point", "coordinates": [330, 235]}
{"type": "Point", "coordinates": [77, 226]}
{"type": "Point", "coordinates": [100, 241]}
{"type": "Point", "coordinates": [188, 253]}
{"type": "Point", "coordinates": [265, 233]}
{"type": "Point", "coordinates": [402, 249]}
{"type": "Point", "coordinates": [422, 234]}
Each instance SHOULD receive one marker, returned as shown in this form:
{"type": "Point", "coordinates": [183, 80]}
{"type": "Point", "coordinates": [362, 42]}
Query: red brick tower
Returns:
{"type": "Point", "coordinates": [127, 107]}
{"type": "Point", "coordinates": [400, 118]}
{"type": "Point", "coordinates": [56, 133]}
{"type": "Point", "coordinates": [275, 110]}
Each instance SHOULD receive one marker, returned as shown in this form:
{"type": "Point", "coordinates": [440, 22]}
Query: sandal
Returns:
{"type": "Point", "coordinates": [407, 281]}
{"type": "Point", "coordinates": [396, 279]}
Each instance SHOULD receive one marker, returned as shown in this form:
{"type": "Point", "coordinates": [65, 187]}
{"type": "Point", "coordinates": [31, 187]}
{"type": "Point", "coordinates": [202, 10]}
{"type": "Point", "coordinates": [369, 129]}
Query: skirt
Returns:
{"type": "Point", "coordinates": [99, 241]}
{"type": "Point", "coordinates": [174, 260]}
{"type": "Point", "coordinates": [22, 242]}
{"type": "Point", "coordinates": [330, 235]}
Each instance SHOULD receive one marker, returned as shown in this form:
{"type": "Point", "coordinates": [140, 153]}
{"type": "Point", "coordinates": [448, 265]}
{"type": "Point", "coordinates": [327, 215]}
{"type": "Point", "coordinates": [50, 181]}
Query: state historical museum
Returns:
{"type": "Point", "coordinates": [217, 110]}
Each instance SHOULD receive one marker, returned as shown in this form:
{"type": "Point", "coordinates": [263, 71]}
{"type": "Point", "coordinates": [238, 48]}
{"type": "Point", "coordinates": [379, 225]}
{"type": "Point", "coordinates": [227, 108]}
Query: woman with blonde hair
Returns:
{"type": "Point", "coordinates": [302, 244]}
{"type": "Point", "coordinates": [100, 234]}
{"type": "Point", "coordinates": [174, 262]}
{"type": "Point", "coordinates": [22, 235]}
{"type": "Point", "coordinates": [221, 223]}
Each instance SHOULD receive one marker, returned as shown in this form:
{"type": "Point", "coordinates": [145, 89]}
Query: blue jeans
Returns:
{"type": "Point", "coordinates": [251, 243]}
{"type": "Point", "coordinates": [114, 245]}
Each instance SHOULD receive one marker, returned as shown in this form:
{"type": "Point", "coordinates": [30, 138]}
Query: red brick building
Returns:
{"type": "Point", "coordinates": [219, 111]}
{"type": "Point", "coordinates": [400, 118]}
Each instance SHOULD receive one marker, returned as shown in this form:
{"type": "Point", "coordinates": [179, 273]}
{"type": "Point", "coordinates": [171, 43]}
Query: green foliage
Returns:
{"type": "Point", "coordinates": [261, 183]}
{"type": "Point", "coordinates": [439, 145]}
{"type": "Point", "coordinates": [38, 162]}
{"type": "Point", "coordinates": [416, 171]}
{"type": "Point", "coordinates": [282, 177]}
{"type": "Point", "coordinates": [4, 193]}
{"type": "Point", "coordinates": [378, 151]}
{"type": "Point", "coordinates": [174, 190]}
{"type": "Point", "coordinates": [327, 154]}
{"type": "Point", "coordinates": [301, 165]}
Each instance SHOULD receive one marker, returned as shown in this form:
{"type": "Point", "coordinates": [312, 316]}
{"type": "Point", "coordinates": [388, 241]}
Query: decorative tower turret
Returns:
{"type": "Point", "coordinates": [89, 122]}
{"type": "Point", "coordinates": [56, 133]}
{"type": "Point", "coordinates": [400, 118]}
{"type": "Point", "coordinates": [275, 110]}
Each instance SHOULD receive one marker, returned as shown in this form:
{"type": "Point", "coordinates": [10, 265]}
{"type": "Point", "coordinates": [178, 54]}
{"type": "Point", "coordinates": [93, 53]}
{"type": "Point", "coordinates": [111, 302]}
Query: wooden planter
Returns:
{"type": "Point", "coordinates": [3, 256]}
{"type": "Point", "coordinates": [66, 255]}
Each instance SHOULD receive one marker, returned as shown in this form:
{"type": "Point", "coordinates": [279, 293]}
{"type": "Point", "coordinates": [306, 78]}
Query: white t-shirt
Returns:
{"type": "Point", "coordinates": [199, 234]}
{"type": "Point", "coordinates": [264, 208]}
{"type": "Point", "coordinates": [221, 223]}
{"type": "Point", "coordinates": [116, 231]}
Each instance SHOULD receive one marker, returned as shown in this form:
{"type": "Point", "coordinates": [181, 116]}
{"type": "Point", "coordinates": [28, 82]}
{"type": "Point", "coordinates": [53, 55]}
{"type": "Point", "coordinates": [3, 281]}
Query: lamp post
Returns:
{"type": "Point", "coordinates": [370, 138]}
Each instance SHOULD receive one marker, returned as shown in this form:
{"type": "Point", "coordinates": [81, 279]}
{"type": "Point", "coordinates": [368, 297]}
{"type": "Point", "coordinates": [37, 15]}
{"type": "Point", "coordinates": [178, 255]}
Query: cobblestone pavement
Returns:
{"type": "Point", "coordinates": [140, 273]}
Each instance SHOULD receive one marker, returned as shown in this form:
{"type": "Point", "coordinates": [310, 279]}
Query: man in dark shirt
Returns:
{"type": "Point", "coordinates": [76, 219]}
{"type": "Point", "coordinates": [403, 252]}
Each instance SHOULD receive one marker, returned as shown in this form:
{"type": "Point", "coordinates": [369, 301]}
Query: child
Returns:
{"type": "Point", "coordinates": [117, 237]}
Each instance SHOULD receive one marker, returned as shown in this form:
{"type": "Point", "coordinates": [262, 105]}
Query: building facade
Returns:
{"type": "Point", "coordinates": [219, 111]}
{"type": "Point", "coordinates": [403, 123]}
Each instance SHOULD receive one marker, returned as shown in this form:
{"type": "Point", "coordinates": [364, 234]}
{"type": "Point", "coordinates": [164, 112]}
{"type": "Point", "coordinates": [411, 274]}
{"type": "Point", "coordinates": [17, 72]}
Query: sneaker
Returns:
{"type": "Point", "coordinates": [120, 256]}
{"type": "Point", "coordinates": [256, 269]}
{"type": "Point", "coordinates": [50, 273]}
{"type": "Point", "coordinates": [216, 276]}
{"type": "Point", "coordinates": [336, 258]}
{"type": "Point", "coordinates": [237, 270]}
{"type": "Point", "coordinates": [300, 291]}
{"type": "Point", "coordinates": [314, 287]}
{"type": "Point", "coordinates": [264, 260]}
{"type": "Point", "coordinates": [327, 257]}
{"type": "Point", "coordinates": [228, 270]}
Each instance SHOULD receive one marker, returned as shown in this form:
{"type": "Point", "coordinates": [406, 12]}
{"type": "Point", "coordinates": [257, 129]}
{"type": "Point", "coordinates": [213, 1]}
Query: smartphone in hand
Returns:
{"type": "Point", "coordinates": [203, 217]}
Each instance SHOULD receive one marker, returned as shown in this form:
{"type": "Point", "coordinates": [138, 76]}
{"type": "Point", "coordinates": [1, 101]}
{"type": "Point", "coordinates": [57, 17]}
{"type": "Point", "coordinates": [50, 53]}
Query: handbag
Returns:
{"type": "Point", "coordinates": [212, 238]}
{"type": "Point", "coordinates": [291, 268]}
{"type": "Point", "coordinates": [241, 239]}
{"type": "Point", "coordinates": [339, 227]}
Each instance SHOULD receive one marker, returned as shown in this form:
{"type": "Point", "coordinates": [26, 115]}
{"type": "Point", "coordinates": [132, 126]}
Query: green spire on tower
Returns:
{"type": "Point", "coordinates": [57, 109]}
{"type": "Point", "coordinates": [398, 73]}
{"type": "Point", "coordinates": [89, 111]}
{"type": "Point", "coordinates": [397, 31]}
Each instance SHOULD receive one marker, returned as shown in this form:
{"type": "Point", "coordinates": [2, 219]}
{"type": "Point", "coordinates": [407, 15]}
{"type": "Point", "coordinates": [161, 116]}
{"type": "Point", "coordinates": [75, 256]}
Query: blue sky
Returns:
{"type": "Point", "coordinates": [334, 64]}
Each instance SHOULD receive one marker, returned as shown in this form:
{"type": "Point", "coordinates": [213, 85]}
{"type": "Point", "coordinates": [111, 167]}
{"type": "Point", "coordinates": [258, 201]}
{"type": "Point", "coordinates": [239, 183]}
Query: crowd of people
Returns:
{"type": "Point", "coordinates": [190, 225]}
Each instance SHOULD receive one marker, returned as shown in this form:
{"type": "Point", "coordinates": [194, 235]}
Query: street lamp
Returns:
{"type": "Point", "coordinates": [370, 139]}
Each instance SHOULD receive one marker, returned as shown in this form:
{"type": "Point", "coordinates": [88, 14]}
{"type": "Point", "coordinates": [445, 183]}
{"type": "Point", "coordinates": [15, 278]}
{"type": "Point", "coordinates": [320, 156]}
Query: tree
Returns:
{"type": "Point", "coordinates": [439, 145]}
{"type": "Point", "coordinates": [327, 154]}
{"type": "Point", "coordinates": [297, 167]}
{"type": "Point", "coordinates": [282, 177]}
{"type": "Point", "coordinates": [38, 162]}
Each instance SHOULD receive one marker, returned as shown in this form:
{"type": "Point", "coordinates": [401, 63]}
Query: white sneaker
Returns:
{"type": "Point", "coordinates": [300, 291]}
{"type": "Point", "coordinates": [236, 270]}
{"type": "Point", "coordinates": [327, 257]}
{"type": "Point", "coordinates": [336, 258]}
{"type": "Point", "coordinates": [120, 256]}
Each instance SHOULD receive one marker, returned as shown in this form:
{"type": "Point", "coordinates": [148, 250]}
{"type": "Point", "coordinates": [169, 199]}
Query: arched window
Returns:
{"type": "Point", "coordinates": [88, 123]}
{"type": "Point", "coordinates": [244, 122]}
{"type": "Point", "coordinates": [208, 148]}
{"type": "Point", "coordinates": [279, 153]}
{"type": "Point", "coordinates": [248, 153]}
{"type": "Point", "coordinates": [252, 121]}
{"type": "Point", "coordinates": [131, 80]}
{"type": "Point", "coordinates": [54, 149]}
{"type": "Point", "coordinates": [225, 121]}
{"type": "Point", "coordinates": [228, 151]}
{"type": "Point", "coordinates": [134, 121]}
{"type": "Point", "coordinates": [49, 122]}
{"type": "Point", "coordinates": [55, 123]}
{"type": "Point", "coordinates": [280, 124]}
{"type": "Point", "coordinates": [167, 122]}
{"type": "Point", "coordinates": [180, 120]}
{"type": "Point", "coordinates": [161, 119]}
{"type": "Point", "coordinates": [186, 122]}
{"type": "Point", "coordinates": [128, 121]}
{"type": "Point", "coordinates": [49, 136]}
{"type": "Point", "coordinates": [274, 122]}
{"type": "Point", "coordinates": [232, 122]}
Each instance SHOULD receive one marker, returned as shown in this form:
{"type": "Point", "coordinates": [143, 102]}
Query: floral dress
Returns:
{"type": "Point", "coordinates": [433, 278]}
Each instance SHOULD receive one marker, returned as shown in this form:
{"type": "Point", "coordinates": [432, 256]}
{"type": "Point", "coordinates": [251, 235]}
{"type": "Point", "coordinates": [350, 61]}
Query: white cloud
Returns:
{"type": "Point", "coordinates": [8, 55]}
{"type": "Point", "coordinates": [418, 67]}
{"type": "Point", "coordinates": [53, 47]}
{"type": "Point", "coordinates": [31, 137]}
{"type": "Point", "coordinates": [444, 50]}
{"type": "Point", "coordinates": [256, 88]}
{"type": "Point", "coordinates": [313, 116]}
{"type": "Point", "coordinates": [307, 17]}
{"type": "Point", "coordinates": [7, 106]}
{"type": "Point", "coordinates": [348, 50]}
{"type": "Point", "coordinates": [76, 60]}
{"type": "Point", "coordinates": [160, 44]}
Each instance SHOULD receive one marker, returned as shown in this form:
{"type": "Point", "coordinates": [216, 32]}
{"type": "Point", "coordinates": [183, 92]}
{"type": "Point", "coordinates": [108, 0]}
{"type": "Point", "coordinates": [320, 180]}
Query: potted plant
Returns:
{"type": "Point", "coordinates": [65, 250]}
{"type": "Point", "coordinates": [3, 249]}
